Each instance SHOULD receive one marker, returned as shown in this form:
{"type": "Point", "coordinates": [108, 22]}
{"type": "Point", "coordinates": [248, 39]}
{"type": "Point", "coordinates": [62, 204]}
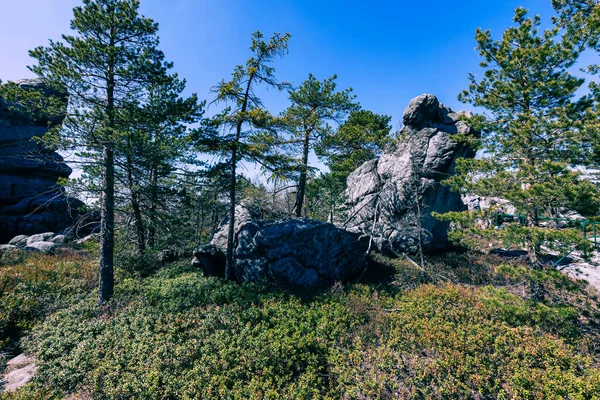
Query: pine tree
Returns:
{"type": "Point", "coordinates": [156, 149]}
{"type": "Point", "coordinates": [362, 137]}
{"type": "Point", "coordinates": [581, 21]}
{"type": "Point", "coordinates": [106, 63]}
{"type": "Point", "coordinates": [530, 140]}
{"type": "Point", "coordinates": [315, 105]}
{"type": "Point", "coordinates": [243, 131]}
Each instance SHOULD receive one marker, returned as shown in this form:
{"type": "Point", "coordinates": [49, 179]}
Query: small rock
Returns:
{"type": "Point", "coordinates": [59, 239]}
{"type": "Point", "coordinates": [40, 237]}
{"type": "Point", "coordinates": [20, 371]}
{"type": "Point", "coordinates": [19, 241]}
{"type": "Point", "coordinates": [42, 247]}
{"type": "Point", "coordinates": [7, 248]}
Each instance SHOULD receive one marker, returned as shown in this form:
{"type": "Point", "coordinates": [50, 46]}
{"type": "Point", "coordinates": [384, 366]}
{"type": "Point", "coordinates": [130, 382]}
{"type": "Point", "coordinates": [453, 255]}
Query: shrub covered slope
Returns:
{"type": "Point", "coordinates": [466, 329]}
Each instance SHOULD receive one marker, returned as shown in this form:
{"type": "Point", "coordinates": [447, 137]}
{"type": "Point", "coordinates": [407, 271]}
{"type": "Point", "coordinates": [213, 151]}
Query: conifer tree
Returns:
{"type": "Point", "coordinates": [581, 21]}
{"type": "Point", "coordinates": [108, 61]}
{"type": "Point", "coordinates": [156, 149]}
{"type": "Point", "coordinates": [530, 140]}
{"type": "Point", "coordinates": [315, 105]}
{"type": "Point", "coordinates": [360, 138]}
{"type": "Point", "coordinates": [243, 131]}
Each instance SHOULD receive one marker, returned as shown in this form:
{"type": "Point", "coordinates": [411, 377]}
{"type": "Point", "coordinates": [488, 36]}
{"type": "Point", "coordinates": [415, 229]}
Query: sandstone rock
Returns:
{"type": "Point", "coordinates": [42, 247]}
{"type": "Point", "coordinates": [19, 372]}
{"type": "Point", "coordinates": [242, 215]}
{"type": "Point", "coordinates": [293, 252]}
{"type": "Point", "coordinates": [59, 239]}
{"type": "Point", "coordinates": [7, 248]}
{"type": "Point", "coordinates": [210, 258]}
{"type": "Point", "coordinates": [19, 241]}
{"type": "Point", "coordinates": [383, 193]}
{"type": "Point", "coordinates": [31, 201]}
{"type": "Point", "coordinates": [475, 203]}
{"type": "Point", "coordinates": [40, 237]}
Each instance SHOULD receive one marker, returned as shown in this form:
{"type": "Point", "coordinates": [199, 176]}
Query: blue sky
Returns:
{"type": "Point", "coordinates": [387, 51]}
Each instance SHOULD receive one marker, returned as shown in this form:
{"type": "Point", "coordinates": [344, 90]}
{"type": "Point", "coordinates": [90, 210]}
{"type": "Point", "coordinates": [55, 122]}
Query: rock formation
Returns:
{"type": "Point", "coordinates": [385, 194]}
{"type": "Point", "coordinates": [293, 252]}
{"type": "Point", "coordinates": [31, 201]}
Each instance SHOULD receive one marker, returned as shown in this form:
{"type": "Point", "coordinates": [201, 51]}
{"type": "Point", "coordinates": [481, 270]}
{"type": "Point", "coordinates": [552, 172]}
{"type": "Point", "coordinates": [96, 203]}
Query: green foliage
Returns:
{"type": "Point", "coordinates": [315, 106]}
{"type": "Point", "coordinates": [177, 334]}
{"type": "Point", "coordinates": [33, 286]}
{"type": "Point", "coordinates": [360, 138]}
{"type": "Point", "coordinates": [531, 134]}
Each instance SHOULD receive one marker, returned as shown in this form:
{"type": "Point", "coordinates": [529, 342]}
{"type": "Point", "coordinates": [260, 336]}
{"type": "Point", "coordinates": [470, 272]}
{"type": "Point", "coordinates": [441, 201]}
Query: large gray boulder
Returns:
{"type": "Point", "coordinates": [31, 201]}
{"type": "Point", "coordinates": [385, 194]}
{"type": "Point", "coordinates": [292, 252]}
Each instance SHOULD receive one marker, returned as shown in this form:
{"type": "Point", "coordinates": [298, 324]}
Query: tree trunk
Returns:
{"type": "Point", "coordinates": [229, 262]}
{"type": "Point", "coordinates": [303, 176]}
{"type": "Point", "coordinates": [137, 213]}
{"type": "Point", "coordinates": [107, 227]}
{"type": "Point", "coordinates": [153, 202]}
{"type": "Point", "coordinates": [538, 290]}
{"type": "Point", "coordinates": [106, 281]}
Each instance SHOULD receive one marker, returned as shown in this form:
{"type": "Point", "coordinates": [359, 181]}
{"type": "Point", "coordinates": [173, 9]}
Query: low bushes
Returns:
{"type": "Point", "coordinates": [178, 335]}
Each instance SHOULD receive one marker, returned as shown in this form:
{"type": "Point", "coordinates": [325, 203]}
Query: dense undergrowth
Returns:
{"type": "Point", "coordinates": [464, 329]}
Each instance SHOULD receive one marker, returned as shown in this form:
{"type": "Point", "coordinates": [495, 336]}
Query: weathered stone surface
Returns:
{"type": "Point", "coordinates": [7, 248]}
{"type": "Point", "coordinates": [40, 237]}
{"type": "Point", "coordinates": [19, 241]}
{"type": "Point", "coordinates": [210, 258]}
{"type": "Point", "coordinates": [42, 247]}
{"type": "Point", "coordinates": [242, 215]}
{"type": "Point", "coordinates": [19, 372]}
{"type": "Point", "coordinates": [497, 204]}
{"type": "Point", "coordinates": [31, 201]}
{"type": "Point", "coordinates": [294, 252]}
{"type": "Point", "coordinates": [59, 239]}
{"type": "Point", "coordinates": [383, 193]}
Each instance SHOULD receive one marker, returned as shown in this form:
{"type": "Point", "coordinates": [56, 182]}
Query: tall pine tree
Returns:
{"type": "Point", "coordinates": [315, 105]}
{"type": "Point", "coordinates": [108, 61]}
{"type": "Point", "coordinates": [242, 130]}
{"type": "Point", "coordinates": [530, 140]}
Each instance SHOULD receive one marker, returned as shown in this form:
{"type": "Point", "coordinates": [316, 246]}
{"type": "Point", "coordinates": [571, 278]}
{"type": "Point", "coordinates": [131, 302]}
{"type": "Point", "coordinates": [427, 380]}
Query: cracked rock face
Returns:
{"type": "Point", "coordinates": [31, 201]}
{"type": "Point", "coordinates": [383, 193]}
{"type": "Point", "coordinates": [292, 252]}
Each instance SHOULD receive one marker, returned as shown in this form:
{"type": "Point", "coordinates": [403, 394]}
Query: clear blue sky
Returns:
{"type": "Point", "coordinates": [387, 51]}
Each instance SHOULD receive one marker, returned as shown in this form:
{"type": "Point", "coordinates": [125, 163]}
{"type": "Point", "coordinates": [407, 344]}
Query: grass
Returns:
{"type": "Point", "coordinates": [466, 328]}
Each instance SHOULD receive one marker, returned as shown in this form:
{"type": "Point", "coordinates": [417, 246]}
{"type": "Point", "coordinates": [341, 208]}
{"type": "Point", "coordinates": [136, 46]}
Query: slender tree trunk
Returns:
{"type": "Point", "coordinates": [229, 266]}
{"type": "Point", "coordinates": [153, 202]}
{"type": "Point", "coordinates": [229, 261]}
{"type": "Point", "coordinates": [137, 213]}
{"type": "Point", "coordinates": [107, 227]}
{"type": "Point", "coordinates": [300, 194]}
{"type": "Point", "coordinates": [107, 221]}
{"type": "Point", "coordinates": [538, 290]}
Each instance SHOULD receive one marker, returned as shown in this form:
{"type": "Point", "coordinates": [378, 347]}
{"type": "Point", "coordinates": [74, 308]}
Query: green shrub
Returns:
{"type": "Point", "coordinates": [34, 285]}
{"type": "Point", "coordinates": [179, 335]}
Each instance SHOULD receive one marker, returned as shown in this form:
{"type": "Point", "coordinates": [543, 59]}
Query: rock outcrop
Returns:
{"type": "Point", "coordinates": [31, 201]}
{"type": "Point", "coordinates": [293, 252]}
{"type": "Point", "coordinates": [385, 194]}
